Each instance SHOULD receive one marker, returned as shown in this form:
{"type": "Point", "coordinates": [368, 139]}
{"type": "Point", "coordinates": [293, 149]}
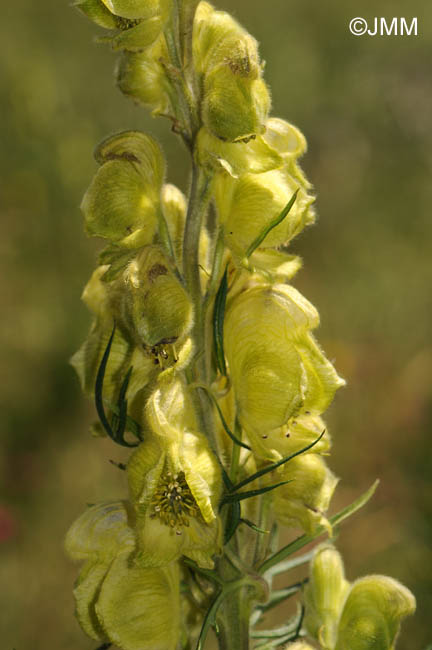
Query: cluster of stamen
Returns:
{"type": "Point", "coordinates": [126, 23]}
{"type": "Point", "coordinates": [173, 502]}
{"type": "Point", "coordinates": [164, 353]}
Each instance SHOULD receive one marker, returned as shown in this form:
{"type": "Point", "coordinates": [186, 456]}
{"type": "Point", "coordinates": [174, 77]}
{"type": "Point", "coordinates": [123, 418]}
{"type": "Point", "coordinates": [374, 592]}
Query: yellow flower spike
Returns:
{"type": "Point", "coordinates": [156, 305]}
{"type": "Point", "coordinates": [122, 201]}
{"type": "Point", "coordinates": [372, 614]}
{"type": "Point", "coordinates": [265, 337]}
{"type": "Point", "coordinates": [325, 595]}
{"type": "Point", "coordinates": [299, 645]}
{"type": "Point", "coordinates": [304, 501]}
{"type": "Point", "coordinates": [140, 608]}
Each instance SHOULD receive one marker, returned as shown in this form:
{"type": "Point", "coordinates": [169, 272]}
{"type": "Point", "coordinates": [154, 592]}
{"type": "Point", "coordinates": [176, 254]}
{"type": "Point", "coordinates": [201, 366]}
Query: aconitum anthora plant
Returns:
{"type": "Point", "coordinates": [202, 359]}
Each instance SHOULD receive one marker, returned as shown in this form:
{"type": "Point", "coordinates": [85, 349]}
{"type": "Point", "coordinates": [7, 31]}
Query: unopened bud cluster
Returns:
{"type": "Point", "coordinates": [201, 355]}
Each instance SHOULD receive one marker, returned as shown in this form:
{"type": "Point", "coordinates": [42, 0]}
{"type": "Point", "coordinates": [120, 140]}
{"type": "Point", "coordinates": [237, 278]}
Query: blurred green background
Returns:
{"type": "Point", "coordinates": [365, 106]}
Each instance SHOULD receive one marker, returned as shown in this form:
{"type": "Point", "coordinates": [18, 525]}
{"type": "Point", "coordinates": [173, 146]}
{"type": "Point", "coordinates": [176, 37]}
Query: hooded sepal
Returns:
{"type": "Point", "coordinates": [139, 608]}
{"type": "Point", "coordinates": [122, 202]}
{"type": "Point", "coordinates": [373, 613]}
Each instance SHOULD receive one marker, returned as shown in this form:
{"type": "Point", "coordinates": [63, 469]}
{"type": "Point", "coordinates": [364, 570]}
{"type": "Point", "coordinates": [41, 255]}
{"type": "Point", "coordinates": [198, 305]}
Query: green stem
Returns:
{"type": "Point", "coordinates": [197, 209]}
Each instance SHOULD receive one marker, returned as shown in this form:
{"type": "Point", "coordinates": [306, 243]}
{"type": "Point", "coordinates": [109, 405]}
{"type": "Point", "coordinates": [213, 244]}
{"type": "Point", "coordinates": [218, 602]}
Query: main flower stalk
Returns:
{"type": "Point", "coordinates": [202, 360]}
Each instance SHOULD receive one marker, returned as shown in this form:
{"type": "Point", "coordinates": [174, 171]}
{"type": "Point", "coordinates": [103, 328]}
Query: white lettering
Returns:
{"type": "Point", "coordinates": [385, 29]}
{"type": "Point", "coordinates": [376, 28]}
{"type": "Point", "coordinates": [404, 27]}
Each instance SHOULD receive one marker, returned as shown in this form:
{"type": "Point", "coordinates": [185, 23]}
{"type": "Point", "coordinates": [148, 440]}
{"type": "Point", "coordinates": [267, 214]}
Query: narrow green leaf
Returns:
{"type": "Point", "coordinates": [303, 540]}
{"type": "Point", "coordinates": [277, 632]}
{"type": "Point", "coordinates": [254, 527]}
{"type": "Point", "coordinates": [121, 416]}
{"type": "Point", "coordinates": [131, 424]}
{"type": "Point", "coordinates": [226, 427]}
{"type": "Point", "coordinates": [288, 565]}
{"type": "Point", "coordinates": [274, 466]}
{"type": "Point", "coordinates": [240, 496]}
{"type": "Point", "coordinates": [99, 387]}
{"type": "Point", "coordinates": [275, 222]}
{"type": "Point", "coordinates": [209, 620]}
{"type": "Point", "coordinates": [232, 521]}
{"type": "Point", "coordinates": [278, 596]}
{"type": "Point", "coordinates": [300, 623]}
{"type": "Point", "coordinates": [218, 322]}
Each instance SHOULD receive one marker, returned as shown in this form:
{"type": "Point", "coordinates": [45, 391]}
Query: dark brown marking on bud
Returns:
{"type": "Point", "coordinates": [125, 155]}
{"type": "Point", "coordinates": [155, 271]}
{"type": "Point", "coordinates": [240, 66]}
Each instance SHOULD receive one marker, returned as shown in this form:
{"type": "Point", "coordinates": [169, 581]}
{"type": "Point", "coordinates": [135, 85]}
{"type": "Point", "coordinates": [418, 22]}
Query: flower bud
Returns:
{"type": "Point", "coordinates": [155, 305]}
{"type": "Point", "coordinates": [235, 105]}
{"type": "Point", "coordinates": [306, 498]}
{"type": "Point", "coordinates": [372, 614]}
{"type": "Point", "coordinates": [236, 100]}
{"type": "Point", "coordinates": [122, 201]}
{"type": "Point", "coordinates": [97, 536]}
{"type": "Point", "coordinates": [141, 77]}
{"type": "Point", "coordinates": [275, 365]}
{"type": "Point", "coordinates": [123, 354]}
{"type": "Point", "coordinates": [135, 608]}
{"type": "Point", "coordinates": [325, 595]}
{"type": "Point", "coordinates": [140, 608]}
{"type": "Point", "coordinates": [249, 204]}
